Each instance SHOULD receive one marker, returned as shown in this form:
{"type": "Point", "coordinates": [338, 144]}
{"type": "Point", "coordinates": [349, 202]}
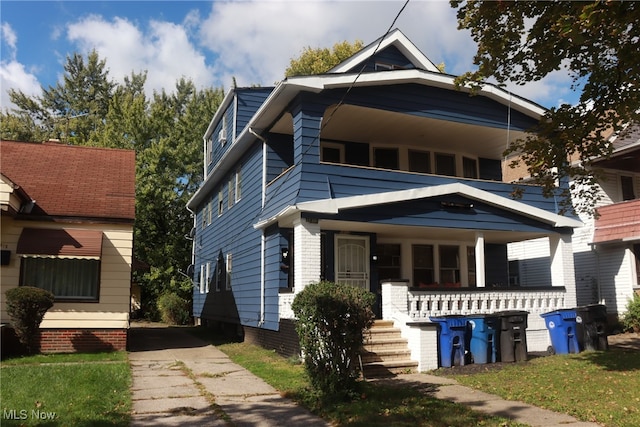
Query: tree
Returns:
{"type": "Point", "coordinates": [320, 60]}
{"type": "Point", "coordinates": [74, 108]}
{"type": "Point", "coordinates": [86, 108]}
{"type": "Point", "coordinates": [596, 43]}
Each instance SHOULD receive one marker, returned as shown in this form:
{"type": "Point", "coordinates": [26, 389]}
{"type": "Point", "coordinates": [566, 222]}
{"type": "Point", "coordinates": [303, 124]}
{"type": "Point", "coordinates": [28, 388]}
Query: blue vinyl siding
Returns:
{"type": "Point", "coordinates": [390, 56]}
{"type": "Point", "coordinates": [248, 102]}
{"type": "Point", "coordinates": [233, 232]}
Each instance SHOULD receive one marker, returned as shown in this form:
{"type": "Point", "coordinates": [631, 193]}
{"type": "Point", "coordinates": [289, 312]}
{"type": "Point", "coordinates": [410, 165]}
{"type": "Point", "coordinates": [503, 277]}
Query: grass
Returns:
{"type": "Point", "coordinates": [602, 387]}
{"type": "Point", "coordinates": [70, 389]}
{"type": "Point", "coordinates": [377, 405]}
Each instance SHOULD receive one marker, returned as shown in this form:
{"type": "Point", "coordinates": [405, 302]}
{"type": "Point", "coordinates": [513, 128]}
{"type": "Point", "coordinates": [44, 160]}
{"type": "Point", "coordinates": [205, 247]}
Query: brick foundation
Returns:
{"type": "Point", "coordinates": [82, 340]}
{"type": "Point", "coordinates": [284, 341]}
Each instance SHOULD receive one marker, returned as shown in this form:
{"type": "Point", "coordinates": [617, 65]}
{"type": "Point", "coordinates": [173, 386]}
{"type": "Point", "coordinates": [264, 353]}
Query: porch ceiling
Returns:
{"type": "Point", "coordinates": [390, 232]}
{"type": "Point", "coordinates": [360, 124]}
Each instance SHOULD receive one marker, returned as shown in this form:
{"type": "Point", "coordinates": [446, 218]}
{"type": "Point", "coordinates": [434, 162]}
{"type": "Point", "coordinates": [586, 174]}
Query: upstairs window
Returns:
{"type": "Point", "coordinates": [386, 158]}
{"type": "Point", "coordinates": [445, 164]}
{"type": "Point", "coordinates": [469, 168]}
{"type": "Point", "coordinates": [238, 185]}
{"type": "Point", "coordinates": [626, 184]}
{"type": "Point", "coordinates": [419, 161]}
{"type": "Point", "coordinates": [220, 203]}
{"type": "Point", "coordinates": [331, 152]}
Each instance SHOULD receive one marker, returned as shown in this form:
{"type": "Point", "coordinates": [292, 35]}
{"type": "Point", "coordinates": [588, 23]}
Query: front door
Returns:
{"type": "Point", "coordinates": [352, 260]}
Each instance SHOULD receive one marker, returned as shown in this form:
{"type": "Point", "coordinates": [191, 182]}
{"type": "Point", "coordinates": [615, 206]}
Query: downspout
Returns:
{"type": "Point", "coordinates": [262, 238]}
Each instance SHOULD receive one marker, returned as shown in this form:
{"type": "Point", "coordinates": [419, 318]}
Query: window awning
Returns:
{"type": "Point", "coordinates": [619, 222]}
{"type": "Point", "coordinates": [68, 243]}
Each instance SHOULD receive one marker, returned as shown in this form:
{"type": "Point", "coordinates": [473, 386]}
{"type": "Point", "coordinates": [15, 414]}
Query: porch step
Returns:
{"type": "Point", "coordinates": [385, 352]}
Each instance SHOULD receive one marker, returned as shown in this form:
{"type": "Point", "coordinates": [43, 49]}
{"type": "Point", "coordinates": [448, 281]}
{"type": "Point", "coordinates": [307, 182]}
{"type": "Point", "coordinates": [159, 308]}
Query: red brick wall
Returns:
{"type": "Point", "coordinates": [82, 340]}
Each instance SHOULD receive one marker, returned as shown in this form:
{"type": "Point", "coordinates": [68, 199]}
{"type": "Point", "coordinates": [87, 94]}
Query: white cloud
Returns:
{"type": "Point", "coordinates": [14, 75]}
{"type": "Point", "coordinates": [164, 51]}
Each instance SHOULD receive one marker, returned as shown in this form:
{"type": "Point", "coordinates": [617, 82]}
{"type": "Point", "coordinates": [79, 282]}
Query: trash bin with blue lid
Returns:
{"type": "Point", "coordinates": [591, 327]}
{"type": "Point", "coordinates": [484, 344]}
{"type": "Point", "coordinates": [452, 340]}
{"type": "Point", "coordinates": [513, 335]}
{"type": "Point", "coordinates": [562, 331]}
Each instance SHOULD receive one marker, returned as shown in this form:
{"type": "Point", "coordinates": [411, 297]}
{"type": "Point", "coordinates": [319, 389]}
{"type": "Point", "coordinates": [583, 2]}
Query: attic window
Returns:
{"type": "Point", "coordinates": [381, 66]}
{"type": "Point", "coordinates": [222, 134]}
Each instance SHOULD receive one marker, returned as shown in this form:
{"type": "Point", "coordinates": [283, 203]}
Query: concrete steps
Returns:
{"type": "Point", "coordinates": [385, 352]}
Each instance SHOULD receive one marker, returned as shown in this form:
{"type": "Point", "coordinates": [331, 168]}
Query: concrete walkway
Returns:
{"type": "Point", "coordinates": [179, 379]}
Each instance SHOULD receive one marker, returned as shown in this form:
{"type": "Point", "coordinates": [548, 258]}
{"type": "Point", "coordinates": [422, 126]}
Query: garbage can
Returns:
{"type": "Point", "coordinates": [562, 330]}
{"type": "Point", "coordinates": [513, 335]}
{"type": "Point", "coordinates": [591, 327]}
{"type": "Point", "coordinates": [484, 329]}
{"type": "Point", "coordinates": [452, 339]}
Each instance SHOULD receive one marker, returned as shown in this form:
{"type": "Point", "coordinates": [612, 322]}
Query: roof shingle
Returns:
{"type": "Point", "coordinates": [72, 181]}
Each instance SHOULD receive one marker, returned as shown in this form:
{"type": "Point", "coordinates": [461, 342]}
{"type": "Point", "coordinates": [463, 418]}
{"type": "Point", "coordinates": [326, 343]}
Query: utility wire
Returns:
{"type": "Point", "coordinates": [316, 139]}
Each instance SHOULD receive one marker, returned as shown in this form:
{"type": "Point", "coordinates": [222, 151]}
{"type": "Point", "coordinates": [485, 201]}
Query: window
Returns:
{"type": "Point", "coordinates": [222, 135]}
{"type": "Point", "coordinates": [445, 164]}
{"type": "Point", "coordinates": [626, 183]}
{"type": "Point", "coordinates": [229, 266]}
{"type": "Point", "coordinates": [208, 279]}
{"type": "Point", "coordinates": [469, 168]}
{"type": "Point", "coordinates": [449, 264]}
{"type": "Point", "coordinates": [422, 265]}
{"type": "Point", "coordinates": [220, 203]}
{"type": "Point", "coordinates": [386, 158]}
{"type": "Point", "coordinates": [66, 278]}
{"type": "Point", "coordinates": [389, 261]}
{"type": "Point", "coordinates": [210, 213]}
{"type": "Point", "coordinates": [514, 273]}
{"type": "Point", "coordinates": [221, 274]}
{"type": "Point", "coordinates": [204, 215]}
{"type": "Point", "coordinates": [232, 192]}
{"type": "Point", "coordinates": [238, 184]}
{"type": "Point", "coordinates": [203, 279]}
{"type": "Point", "coordinates": [209, 150]}
{"type": "Point", "coordinates": [331, 152]}
{"type": "Point", "coordinates": [419, 161]}
{"type": "Point", "coordinates": [471, 265]}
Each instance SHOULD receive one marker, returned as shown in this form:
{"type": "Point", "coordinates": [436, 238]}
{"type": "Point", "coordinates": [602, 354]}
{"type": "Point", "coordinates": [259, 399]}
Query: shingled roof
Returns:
{"type": "Point", "coordinates": [72, 181]}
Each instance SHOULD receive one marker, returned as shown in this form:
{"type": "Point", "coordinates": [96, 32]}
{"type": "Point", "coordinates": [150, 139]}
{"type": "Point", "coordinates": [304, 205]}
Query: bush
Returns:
{"type": "Point", "coordinates": [332, 318]}
{"type": "Point", "coordinates": [27, 305]}
{"type": "Point", "coordinates": [631, 319]}
{"type": "Point", "coordinates": [174, 309]}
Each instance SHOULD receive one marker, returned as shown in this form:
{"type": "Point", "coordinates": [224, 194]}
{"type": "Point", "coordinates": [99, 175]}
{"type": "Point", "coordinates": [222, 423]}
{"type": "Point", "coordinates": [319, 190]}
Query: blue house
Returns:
{"type": "Point", "coordinates": [381, 174]}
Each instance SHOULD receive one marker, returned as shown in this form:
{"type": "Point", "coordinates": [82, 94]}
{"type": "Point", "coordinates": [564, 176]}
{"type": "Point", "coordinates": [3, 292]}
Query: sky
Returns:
{"type": "Point", "coordinates": [213, 42]}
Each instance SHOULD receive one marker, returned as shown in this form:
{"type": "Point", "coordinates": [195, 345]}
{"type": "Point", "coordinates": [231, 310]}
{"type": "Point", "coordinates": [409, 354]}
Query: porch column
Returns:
{"type": "Point", "coordinates": [562, 270]}
{"type": "Point", "coordinates": [480, 265]}
{"type": "Point", "coordinates": [306, 258]}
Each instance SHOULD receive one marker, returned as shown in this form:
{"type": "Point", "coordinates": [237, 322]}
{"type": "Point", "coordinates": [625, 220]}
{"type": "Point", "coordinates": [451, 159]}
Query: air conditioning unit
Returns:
{"type": "Point", "coordinates": [222, 136]}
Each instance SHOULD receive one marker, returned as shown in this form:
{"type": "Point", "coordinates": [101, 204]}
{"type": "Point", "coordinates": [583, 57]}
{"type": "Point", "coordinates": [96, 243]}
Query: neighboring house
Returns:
{"type": "Point", "coordinates": [380, 174]}
{"type": "Point", "coordinates": [606, 248]}
{"type": "Point", "coordinates": [67, 226]}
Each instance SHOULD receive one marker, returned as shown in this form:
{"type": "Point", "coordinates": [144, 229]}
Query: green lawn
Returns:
{"type": "Point", "coordinates": [377, 406]}
{"type": "Point", "coordinates": [72, 390]}
{"type": "Point", "coordinates": [602, 387]}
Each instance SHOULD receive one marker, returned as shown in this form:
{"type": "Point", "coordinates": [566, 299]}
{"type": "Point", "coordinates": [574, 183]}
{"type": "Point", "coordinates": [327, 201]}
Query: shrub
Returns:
{"type": "Point", "coordinates": [332, 318]}
{"type": "Point", "coordinates": [631, 319]}
{"type": "Point", "coordinates": [174, 309]}
{"type": "Point", "coordinates": [27, 305]}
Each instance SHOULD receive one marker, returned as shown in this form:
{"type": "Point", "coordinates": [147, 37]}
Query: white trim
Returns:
{"type": "Point", "coordinates": [334, 206]}
{"type": "Point", "coordinates": [400, 41]}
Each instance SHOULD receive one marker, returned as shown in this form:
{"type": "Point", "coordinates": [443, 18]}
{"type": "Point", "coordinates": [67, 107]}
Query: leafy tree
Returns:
{"type": "Point", "coordinates": [166, 133]}
{"type": "Point", "coordinates": [596, 42]}
{"type": "Point", "coordinates": [320, 60]}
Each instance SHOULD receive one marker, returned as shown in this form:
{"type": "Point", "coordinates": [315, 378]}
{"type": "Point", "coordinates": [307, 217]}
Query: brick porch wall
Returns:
{"type": "Point", "coordinates": [284, 341]}
{"type": "Point", "coordinates": [82, 340]}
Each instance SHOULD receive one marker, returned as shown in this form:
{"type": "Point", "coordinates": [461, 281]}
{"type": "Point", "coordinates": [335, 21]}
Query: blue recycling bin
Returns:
{"type": "Point", "coordinates": [485, 331]}
{"type": "Point", "coordinates": [452, 340]}
{"type": "Point", "coordinates": [562, 330]}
